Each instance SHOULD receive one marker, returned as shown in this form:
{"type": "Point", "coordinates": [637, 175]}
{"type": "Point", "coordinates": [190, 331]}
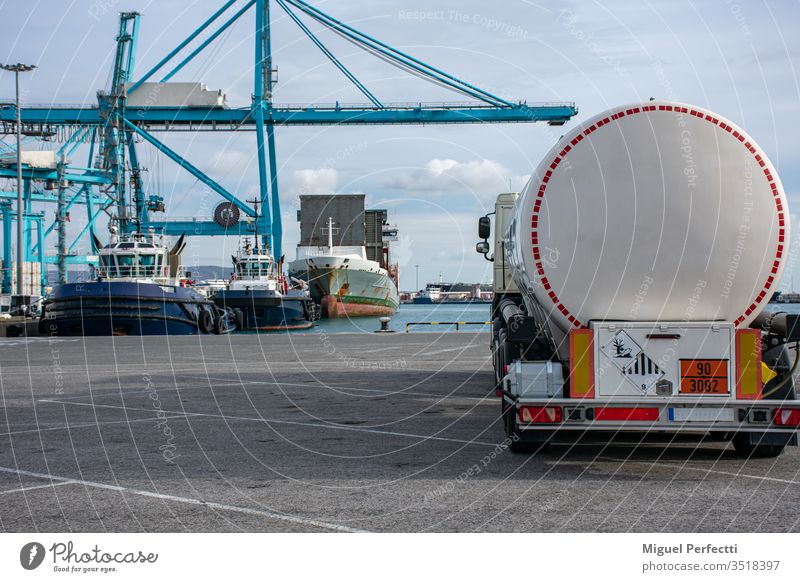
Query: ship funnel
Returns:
{"type": "Point", "coordinates": [174, 257]}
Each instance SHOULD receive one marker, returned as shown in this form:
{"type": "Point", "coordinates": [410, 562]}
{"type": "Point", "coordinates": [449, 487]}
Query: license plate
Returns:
{"type": "Point", "coordinates": [704, 377]}
{"type": "Point", "coordinates": [701, 414]}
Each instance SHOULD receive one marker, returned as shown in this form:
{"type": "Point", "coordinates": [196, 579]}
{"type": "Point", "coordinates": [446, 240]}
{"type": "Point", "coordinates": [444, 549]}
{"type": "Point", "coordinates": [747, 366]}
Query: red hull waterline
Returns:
{"type": "Point", "coordinates": [304, 325]}
{"type": "Point", "coordinates": [334, 308]}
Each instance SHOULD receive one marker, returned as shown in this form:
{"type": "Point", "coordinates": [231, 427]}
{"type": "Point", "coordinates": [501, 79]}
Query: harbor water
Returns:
{"type": "Point", "coordinates": [410, 313]}
{"type": "Point", "coordinates": [783, 307]}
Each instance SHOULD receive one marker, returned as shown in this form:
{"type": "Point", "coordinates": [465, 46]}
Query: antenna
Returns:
{"type": "Point", "coordinates": [330, 231]}
{"type": "Point", "coordinates": [255, 202]}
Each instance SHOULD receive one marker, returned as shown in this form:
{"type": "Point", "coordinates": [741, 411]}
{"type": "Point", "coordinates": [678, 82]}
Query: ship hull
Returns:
{"type": "Point", "coordinates": [266, 311]}
{"type": "Point", "coordinates": [424, 301]}
{"type": "Point", "coordinates": [105, 308]}
{"type": "Point", "coordinates": [347, 292]}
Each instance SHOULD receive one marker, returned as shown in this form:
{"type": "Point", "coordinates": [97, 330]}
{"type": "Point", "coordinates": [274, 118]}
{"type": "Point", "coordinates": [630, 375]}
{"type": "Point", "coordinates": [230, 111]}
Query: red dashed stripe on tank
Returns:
{"type": "Point", "coordinates": [633, 111]}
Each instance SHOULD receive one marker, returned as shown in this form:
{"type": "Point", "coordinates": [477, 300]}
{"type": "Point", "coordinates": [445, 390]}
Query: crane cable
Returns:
{"type": "Point", "coordinates": [402, 65]}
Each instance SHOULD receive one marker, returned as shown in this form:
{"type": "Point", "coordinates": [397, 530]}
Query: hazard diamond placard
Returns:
{"type": "Point", "coordinates": [637, 367]}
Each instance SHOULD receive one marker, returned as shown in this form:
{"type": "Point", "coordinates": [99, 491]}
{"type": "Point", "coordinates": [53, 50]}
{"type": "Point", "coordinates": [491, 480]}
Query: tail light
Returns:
{"type": "Point", "coordinates": [626, 414]}
{"type": "Point", "coordinates": [540, 414]}
{"type": "Point", "coordinates": [581, 363]}
{"type": "Point", "coordinates": [787, 417]}
{"type": "Point", "coordinates": [748, 364]}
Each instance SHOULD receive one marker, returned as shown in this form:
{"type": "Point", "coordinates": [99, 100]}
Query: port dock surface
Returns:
{"type": "Point", "coordinates": [331, 432]}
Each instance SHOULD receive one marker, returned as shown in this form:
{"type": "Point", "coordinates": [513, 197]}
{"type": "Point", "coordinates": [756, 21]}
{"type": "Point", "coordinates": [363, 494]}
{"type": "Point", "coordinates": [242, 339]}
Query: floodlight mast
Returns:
{"type": "Point", "coordinates": [17, 69]}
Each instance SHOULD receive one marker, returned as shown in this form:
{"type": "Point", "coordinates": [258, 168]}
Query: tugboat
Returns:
{"type": "Point", "coordinates": [262, 295]}
{"type": "Point", "coordinates": [137, 291]}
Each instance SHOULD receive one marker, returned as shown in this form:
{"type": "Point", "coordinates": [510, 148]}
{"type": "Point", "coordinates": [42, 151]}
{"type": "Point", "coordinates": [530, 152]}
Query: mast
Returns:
{"type": "Point", "coordinates": [255, 203]}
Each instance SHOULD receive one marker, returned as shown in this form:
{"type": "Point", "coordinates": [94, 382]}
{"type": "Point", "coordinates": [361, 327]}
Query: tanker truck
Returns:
{"type": "Point", "coordinates": [630, 280]}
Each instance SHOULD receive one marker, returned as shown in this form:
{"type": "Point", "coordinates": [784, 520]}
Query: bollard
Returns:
{"type": "Point", "coordinates": [384, 325]}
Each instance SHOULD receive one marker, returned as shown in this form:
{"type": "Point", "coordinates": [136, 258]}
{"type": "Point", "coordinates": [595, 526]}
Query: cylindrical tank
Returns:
{"type": "Point", "coordinates": [650, 212]}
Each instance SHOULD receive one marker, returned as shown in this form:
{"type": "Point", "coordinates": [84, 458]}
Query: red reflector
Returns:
{"type": "Point", "coordinates": [787, 416]}
{"type": "Point", "coordinates": [498, 392]}
{"type": "Point", "coordinates": [540, 414]}
{"type": "Point", "coordinates": [646, 414]}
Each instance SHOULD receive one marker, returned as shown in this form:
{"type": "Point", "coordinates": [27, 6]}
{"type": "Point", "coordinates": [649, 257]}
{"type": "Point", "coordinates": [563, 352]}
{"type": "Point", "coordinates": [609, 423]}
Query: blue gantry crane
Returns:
{"type": "Point", "coordinates": [134, 109]}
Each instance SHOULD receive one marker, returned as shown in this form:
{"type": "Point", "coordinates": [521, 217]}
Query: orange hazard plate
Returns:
{"type": "Point", "coordinates": [704, 377]}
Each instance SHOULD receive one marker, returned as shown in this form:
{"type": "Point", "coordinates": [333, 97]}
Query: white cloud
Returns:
{"type": "Point", "coordinates": [228, 161]}
{"type": "Point", "coordinates": [319, 181]}
{"type": "Point", "coordinates": [483, 179]}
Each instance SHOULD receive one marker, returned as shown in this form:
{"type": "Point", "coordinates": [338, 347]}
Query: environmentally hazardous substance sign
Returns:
{"type": "Point", "coordinates": [637, 367]}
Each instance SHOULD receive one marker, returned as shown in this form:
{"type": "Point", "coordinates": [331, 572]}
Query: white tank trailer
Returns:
{"type": "Point", "coordinates": [631, 275]}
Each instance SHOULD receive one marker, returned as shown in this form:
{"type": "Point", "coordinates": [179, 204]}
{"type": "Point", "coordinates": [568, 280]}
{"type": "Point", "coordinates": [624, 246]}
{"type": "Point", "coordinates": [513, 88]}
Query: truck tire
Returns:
{"type": "Point", "coordinates": [744, 446]}
{"type": "Point", "coordinates": [504, 354]}
{"type": "Point", "coordinates": [519, 443]}
{"type": "Point", "coordinates": [497, 360]}
{"type": "Point", "coordinates": [743, 442]}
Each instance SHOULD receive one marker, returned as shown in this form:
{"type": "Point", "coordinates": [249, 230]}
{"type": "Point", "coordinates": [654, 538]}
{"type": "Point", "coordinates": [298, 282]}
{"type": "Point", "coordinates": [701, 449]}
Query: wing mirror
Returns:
{"type": "Point", "coordinates": [484, 227]}
{"type": "Point", "coordinates": [484, 232]}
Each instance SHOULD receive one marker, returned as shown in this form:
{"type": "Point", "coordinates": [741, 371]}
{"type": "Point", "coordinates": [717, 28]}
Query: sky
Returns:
{"type": "Point", "coordinates": [739, 59]}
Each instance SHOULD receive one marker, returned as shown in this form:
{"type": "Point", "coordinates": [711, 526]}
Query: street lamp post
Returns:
{"type": "Point", "coordinates": [417, 268]}
{"type": "Point", "coordinates": [17, 69]}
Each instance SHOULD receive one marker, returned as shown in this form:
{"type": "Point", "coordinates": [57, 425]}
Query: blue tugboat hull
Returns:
{"type": "Point", "coordinates": [264, 311]}
{"type": "Point", "coordinates": [129, 308]}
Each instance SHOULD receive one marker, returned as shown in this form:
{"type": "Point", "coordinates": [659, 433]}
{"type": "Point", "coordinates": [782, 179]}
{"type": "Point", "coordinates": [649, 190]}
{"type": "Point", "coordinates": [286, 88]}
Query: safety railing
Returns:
{"type": "Point", "coordinates": [458, 324]}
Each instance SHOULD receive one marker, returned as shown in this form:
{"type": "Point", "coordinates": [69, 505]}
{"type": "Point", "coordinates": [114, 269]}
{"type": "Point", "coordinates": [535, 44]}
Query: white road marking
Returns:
{"type": "Point", "coordinates": [86, 425]}
{"type": "Point", "coordinates": [225, 382]}
{"type": "Point", "coordinates": [117, 392]}
{"type": "Point", "coordinates": [290, 422]}
{"type": "Point", "coordinates": [702, 470]}
{"type": "Point", "coordinates": [189, 500]}
{"type": "Point", "coordinates": [33, 487]}
{"type": "Point", "coordinates": [461, 349]}
{"type": "Point", "coordinates": [336, 388]}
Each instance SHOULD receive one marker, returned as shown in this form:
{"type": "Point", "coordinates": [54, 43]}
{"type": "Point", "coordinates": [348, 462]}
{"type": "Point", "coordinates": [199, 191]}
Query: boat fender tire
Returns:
{"type": "Point", "coordinates": [219, 324]}
{"type": "Point", "coordinates": [204, 320]}
{"type": "Point", "coordinates": [15, 330]}
{"type": "Point", "coordinates": [239, 318]}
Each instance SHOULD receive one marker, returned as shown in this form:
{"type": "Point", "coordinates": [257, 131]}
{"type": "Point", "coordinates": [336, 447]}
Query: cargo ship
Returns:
{"type": "Point", "coordinates": [355, 277]}
{"type": "Point", "coordinates": [431, 294]}
{"type": "Point", "coordinates": [452, 293]}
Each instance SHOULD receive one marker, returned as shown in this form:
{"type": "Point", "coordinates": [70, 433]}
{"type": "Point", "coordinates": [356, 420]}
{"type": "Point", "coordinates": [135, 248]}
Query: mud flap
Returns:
{"type": "Point", "coordinates": [777, 439]}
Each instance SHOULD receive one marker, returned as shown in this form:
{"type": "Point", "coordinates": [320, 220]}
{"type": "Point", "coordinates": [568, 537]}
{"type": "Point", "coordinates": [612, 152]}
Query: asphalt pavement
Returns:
{"type": "Point", "coordinates": [336, 433]}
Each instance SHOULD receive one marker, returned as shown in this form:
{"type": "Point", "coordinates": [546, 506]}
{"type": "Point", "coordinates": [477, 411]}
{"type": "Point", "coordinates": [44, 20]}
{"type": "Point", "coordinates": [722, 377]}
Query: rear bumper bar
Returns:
{"type": "Point", "coordinates": [699, 414]}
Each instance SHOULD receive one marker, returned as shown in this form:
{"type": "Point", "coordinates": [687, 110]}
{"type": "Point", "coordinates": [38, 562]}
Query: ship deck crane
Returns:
{"type": "Point", "coordinates": [112, 175]}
